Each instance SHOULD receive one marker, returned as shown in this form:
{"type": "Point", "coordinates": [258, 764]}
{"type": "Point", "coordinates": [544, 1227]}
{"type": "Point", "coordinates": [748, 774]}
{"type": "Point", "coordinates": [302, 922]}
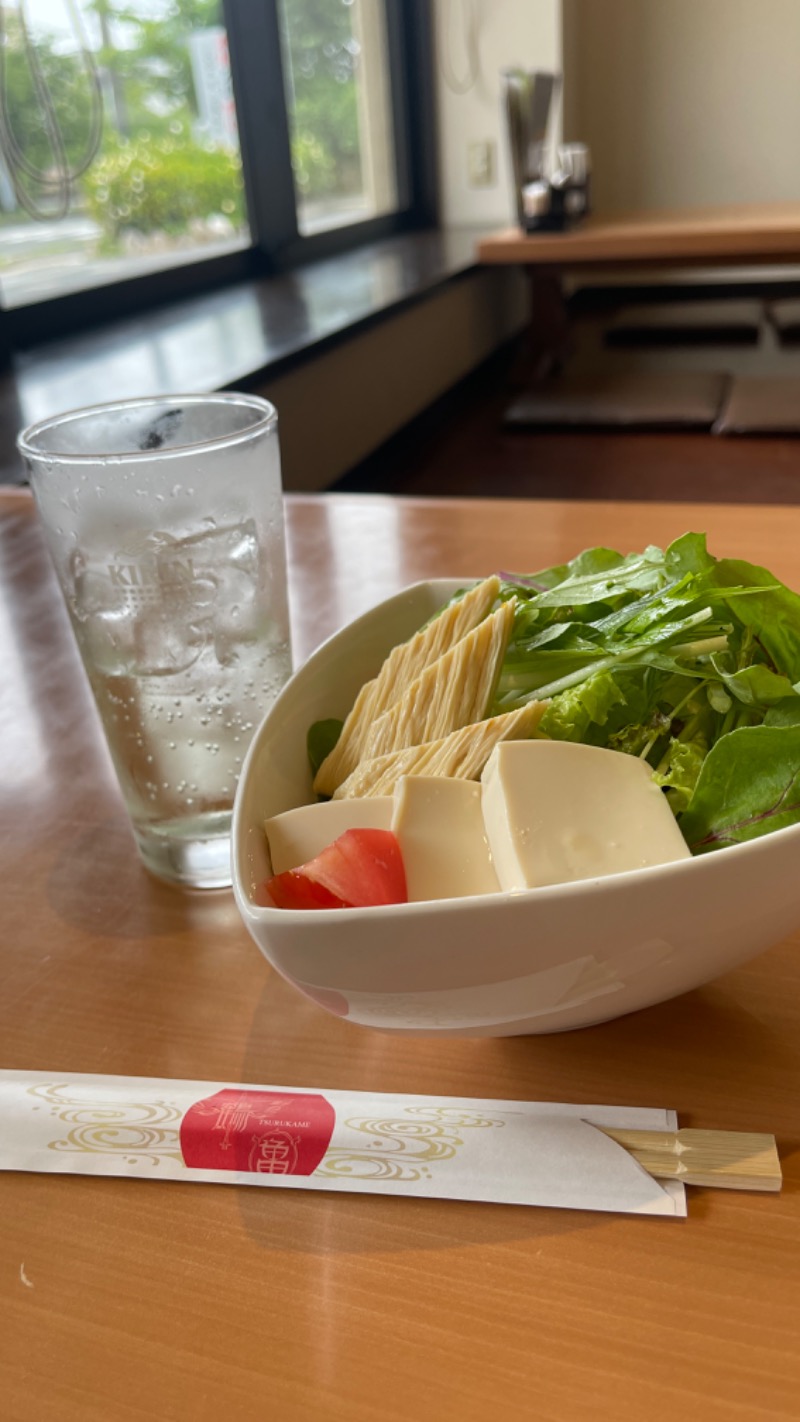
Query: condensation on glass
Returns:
{"type": "Point", "coordinates": [120, 145]}
{"type": "Point", "coordinates": [339, 102]}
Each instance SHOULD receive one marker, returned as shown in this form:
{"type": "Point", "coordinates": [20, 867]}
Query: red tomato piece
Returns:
{"type": "Point", "coordinates": [293, 890]}
{"type": "Point", "coordinates": [361, 867]}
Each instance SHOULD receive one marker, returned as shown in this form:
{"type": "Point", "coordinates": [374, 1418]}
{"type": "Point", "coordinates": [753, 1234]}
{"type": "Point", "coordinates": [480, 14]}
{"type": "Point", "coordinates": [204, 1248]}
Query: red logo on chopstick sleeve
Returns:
{"type": "Point", "coordinates": [263, 1132]}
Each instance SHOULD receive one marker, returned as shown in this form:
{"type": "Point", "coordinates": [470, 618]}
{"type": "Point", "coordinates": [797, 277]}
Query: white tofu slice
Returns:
{"type": "Point", "coordinates": [439, 827]}
{"type": "Point", "coordinates": [299, 835]}
{"type": "Point", "coordinates": [556, 811]}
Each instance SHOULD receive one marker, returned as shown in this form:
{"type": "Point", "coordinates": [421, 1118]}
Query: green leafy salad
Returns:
{"type": "Point", "coordinates": [688, 661]}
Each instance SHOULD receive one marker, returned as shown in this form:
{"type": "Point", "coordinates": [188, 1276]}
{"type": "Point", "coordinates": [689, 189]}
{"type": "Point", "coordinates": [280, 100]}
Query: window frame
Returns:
{"type": "Point", "coordinates": [253, 28]}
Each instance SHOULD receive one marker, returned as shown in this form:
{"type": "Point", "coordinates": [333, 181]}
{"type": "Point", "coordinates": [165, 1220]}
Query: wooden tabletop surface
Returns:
{"type": "Point", "coordinates": [761, 232]}
{"type": "Point", "coordinates": [126, 1299]}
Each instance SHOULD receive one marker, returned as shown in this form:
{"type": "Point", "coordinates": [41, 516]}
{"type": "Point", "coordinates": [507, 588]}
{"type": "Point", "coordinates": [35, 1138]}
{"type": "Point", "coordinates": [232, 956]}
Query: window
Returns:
{"type": "Point", "coordinates": [152, 147]}
{"type": "Point", "coordinates": [342, 140]}
{"type": "Point", "coordinates": [120, 142]}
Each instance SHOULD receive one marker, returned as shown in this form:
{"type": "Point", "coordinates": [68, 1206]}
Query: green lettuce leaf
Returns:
{"type": "Point", "coordinates": [749, 785]}
{"type": "Point", "coordinates": [674, 657]}
{"type": "Point", "coordinates": [568, 716]}
{"type": "Point", "coordinates": [680, 772]}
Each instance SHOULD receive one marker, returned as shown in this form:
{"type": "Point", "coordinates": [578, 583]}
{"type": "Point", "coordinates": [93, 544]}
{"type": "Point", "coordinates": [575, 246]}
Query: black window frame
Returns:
{"type": "Point", "coordinates": [253, 28]}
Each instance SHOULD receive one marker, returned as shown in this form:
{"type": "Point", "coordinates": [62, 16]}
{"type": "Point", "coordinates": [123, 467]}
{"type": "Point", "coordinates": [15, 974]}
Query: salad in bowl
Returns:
{"type": "Point", "coordinates": [535, 801]}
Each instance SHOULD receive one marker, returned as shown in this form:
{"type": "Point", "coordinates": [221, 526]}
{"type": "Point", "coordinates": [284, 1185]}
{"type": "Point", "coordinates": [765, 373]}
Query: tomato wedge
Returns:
{"type": "Point", "coordinates": [361, 867]}
{"type": "Point", "coordinates": [294, 890]}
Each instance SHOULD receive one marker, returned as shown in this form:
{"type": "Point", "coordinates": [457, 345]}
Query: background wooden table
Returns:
{"type": "Point", "coordinates": [134, 1300]}
{"type": "Point", "coordinates": [757, 232]}
{"type": "Point", "coordinates": [674, 237]}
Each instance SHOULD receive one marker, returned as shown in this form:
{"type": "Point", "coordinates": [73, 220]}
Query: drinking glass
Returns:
{"type": "Point", "coordinates": [164, 518]}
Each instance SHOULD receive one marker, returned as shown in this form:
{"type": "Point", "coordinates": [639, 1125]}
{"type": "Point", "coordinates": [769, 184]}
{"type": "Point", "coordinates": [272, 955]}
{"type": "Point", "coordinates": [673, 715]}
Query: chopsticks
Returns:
{"type": "Point", "coordinates": [732, 1160]}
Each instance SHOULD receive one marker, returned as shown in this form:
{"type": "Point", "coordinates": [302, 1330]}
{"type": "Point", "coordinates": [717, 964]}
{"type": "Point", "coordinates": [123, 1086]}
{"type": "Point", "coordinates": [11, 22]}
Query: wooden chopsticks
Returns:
{"type": "Point", "coordinates": [734, 1160]}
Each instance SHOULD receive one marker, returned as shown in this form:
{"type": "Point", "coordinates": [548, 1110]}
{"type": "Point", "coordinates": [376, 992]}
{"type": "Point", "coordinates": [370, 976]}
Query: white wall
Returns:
{"type": "Point", "coordinates": [685, 102]}
{"type": "Point", "coordinates": [509, 32]}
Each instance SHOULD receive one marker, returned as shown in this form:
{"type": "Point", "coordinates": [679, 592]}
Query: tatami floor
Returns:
{"type": "Point", "coordinates": [461, 447]}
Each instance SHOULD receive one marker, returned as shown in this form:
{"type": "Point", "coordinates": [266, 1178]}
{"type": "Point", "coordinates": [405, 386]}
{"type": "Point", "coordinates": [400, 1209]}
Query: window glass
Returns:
{"type": "Point", "coordinates": [338, 95]}
{"type": "Point", "coordinates": [119, 148]}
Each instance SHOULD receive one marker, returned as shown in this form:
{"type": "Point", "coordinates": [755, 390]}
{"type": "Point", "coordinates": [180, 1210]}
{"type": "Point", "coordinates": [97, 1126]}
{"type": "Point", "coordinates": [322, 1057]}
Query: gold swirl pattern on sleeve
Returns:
{"type": "Point", "coordinates": [459, 1116]}
{"type": "Point", "coordinates": [403, 1148]}
{"type": "Point", "coordinates": [143, 1133]}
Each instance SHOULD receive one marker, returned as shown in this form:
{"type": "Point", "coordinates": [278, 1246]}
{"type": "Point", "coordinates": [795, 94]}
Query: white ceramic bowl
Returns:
{"type": "Point", "coordinates": [498, 965]}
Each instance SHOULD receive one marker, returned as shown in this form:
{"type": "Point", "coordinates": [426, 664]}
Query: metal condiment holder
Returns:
{"type": "Point", "coordinates": [552, 189]}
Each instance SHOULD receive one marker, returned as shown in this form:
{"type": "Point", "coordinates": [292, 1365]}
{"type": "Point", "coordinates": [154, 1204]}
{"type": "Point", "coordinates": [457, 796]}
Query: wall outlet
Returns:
{"type": "Point", "coordinates": [481, 163]}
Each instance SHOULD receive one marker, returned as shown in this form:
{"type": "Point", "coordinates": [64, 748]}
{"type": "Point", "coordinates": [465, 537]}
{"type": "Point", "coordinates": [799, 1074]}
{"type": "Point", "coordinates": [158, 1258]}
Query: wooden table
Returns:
{"type": "Point", "coordinates": [710, 236]}
{"type": "Point", "coordinates": [759, 232]}
{"type": "Point", "coordinates": [135, 1300]}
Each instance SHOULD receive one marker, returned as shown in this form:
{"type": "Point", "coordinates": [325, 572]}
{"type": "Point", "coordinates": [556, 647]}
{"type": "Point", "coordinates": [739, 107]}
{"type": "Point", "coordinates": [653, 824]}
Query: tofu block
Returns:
{"type": "Point", "coordinates": [556, 812]}
{"type": "Point", "coordinates": [401, 668]}
{"type": "Point", "coordinates": [299, 835]}
{"type": "Point", "coordinates": [439, 827]}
